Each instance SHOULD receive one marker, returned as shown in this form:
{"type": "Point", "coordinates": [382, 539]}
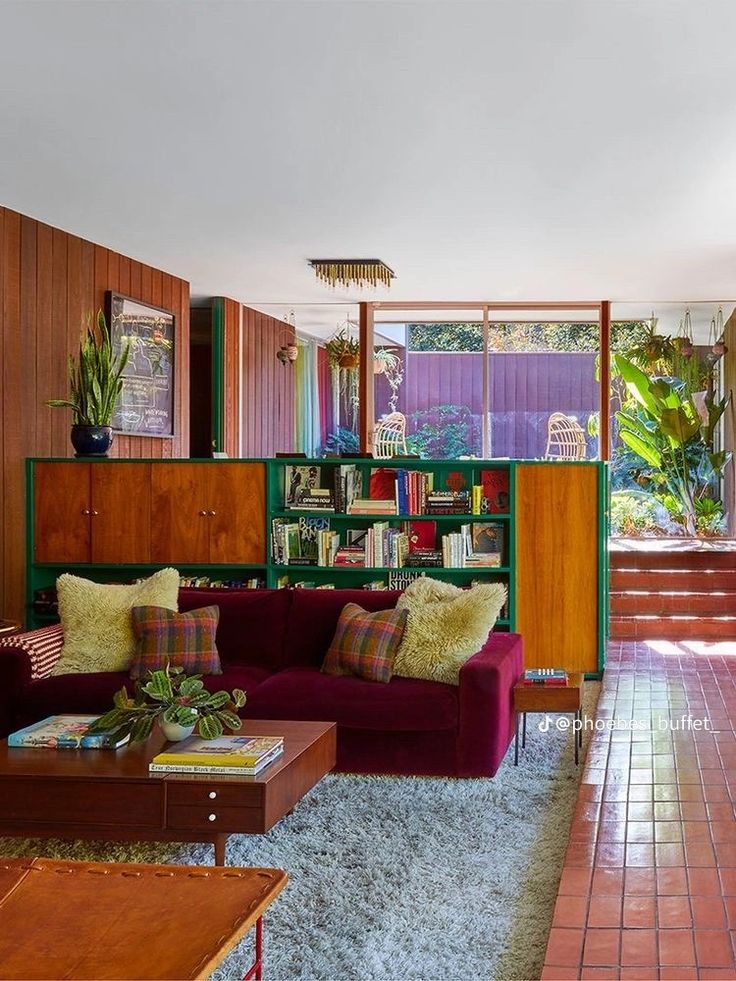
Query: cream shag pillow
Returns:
{"type": "Point", "coordinates": [445, 627]}
{"type": "Point", "coordinates": [96, 620]}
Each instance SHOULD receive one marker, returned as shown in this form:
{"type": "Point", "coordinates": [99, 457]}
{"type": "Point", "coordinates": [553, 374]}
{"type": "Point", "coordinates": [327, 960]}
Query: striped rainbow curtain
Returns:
{"type": "Point", "coordinates": [306, 403]}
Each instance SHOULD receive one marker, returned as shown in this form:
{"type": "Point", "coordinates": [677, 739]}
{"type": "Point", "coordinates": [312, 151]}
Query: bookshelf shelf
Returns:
{"type": "Point", "coordinates": [552, 535]}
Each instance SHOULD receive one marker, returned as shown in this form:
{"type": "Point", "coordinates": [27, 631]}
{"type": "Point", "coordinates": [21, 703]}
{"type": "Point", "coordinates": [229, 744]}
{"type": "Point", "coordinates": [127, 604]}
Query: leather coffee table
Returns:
{"type": "Point", "coordinates": [110, 795]}
{"type": "Point", "coordinates": [86, 920]}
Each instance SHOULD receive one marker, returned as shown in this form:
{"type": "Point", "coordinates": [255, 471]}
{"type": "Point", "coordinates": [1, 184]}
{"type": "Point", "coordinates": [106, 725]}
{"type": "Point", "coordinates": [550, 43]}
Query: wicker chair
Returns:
{"type": "Point", "coordinates": [389, 436]}
{"type": "Point", "coordinates": [565, 438]}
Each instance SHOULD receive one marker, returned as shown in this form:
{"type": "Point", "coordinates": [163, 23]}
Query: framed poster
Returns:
{"type": "Point", "coordinates": [146, 404]}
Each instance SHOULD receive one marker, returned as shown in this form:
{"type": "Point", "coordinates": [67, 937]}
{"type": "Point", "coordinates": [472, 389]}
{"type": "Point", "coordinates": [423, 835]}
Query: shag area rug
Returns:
{"type": "Point", "coordinates": [401, 877]}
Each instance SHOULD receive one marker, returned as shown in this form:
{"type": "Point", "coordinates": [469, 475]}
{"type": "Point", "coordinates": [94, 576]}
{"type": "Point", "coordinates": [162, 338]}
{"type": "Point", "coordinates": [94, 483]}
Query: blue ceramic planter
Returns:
{"type": "Point", "coordinates": [92, 440]}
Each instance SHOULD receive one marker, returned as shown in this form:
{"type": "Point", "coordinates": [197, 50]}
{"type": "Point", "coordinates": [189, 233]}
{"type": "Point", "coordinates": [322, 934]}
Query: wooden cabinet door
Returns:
{"type": "Point", "coordinates": [556, 509]}
{"type": "Point", "coordinates": [179, 520]}
{"type": "Point", "coordinates": [121, 513]}
{"type": "Point", "coordinates": [62, 512]}
{"type": "Point", "coordinates": [236, 492]}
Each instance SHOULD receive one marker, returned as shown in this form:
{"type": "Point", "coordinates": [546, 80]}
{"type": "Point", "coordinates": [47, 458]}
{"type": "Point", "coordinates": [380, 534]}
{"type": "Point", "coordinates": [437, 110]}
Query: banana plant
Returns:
{"type": "Point", "coordinates": [665, 429]}
{"type": "Point", "coordinates": [95, 381]}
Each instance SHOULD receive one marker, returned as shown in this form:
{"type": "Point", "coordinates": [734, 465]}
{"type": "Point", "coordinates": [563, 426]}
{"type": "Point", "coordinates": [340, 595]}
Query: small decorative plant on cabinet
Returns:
{"type": "Point", "coordinates": [95, 383]}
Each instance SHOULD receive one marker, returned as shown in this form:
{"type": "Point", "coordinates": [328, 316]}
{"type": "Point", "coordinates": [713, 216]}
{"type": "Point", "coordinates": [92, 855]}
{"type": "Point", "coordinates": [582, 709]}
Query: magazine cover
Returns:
{"type": "Point", "coordinates": [63, 732]}
{"type": "Point", "coordinates": [487, 538]}
{"type": "Point", "coordinates": [300, 480]}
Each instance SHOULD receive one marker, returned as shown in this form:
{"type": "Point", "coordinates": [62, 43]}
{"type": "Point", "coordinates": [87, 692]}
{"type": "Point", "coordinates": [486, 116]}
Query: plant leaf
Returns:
{"type": "Point", "coordinates": [645, 450]}
{"type": "Point", "coordinates": [210, 727]}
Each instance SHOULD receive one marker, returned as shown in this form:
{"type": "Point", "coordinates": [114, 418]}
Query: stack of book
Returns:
{"type": "Point", "coordinates": [425, 558]}
{"type": "Point", "coordinates": [367, 505]}
{"type": "Point", "coordinates": [236, 755]}
{"type": "Point", "coordinates": [447, 502]}
{"type": "Point", "coordinates": [317, 499]}
{"type": "Point", "coordinates": [549, 677]}
{"type": "Point", "coordinates": [349, 555]}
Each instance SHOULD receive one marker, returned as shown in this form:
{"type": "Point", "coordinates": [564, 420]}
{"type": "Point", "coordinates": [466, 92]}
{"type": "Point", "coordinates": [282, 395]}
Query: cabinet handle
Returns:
{"type": "Point", "coordinates": [203, 514]}
{"type": "Point", "coordinates": [86, 511]}
{"type": "Point", "coordinates": [212, 513]}
{"type": "Point", "coordinates": [212, 794]}
{"type": "Point", "coordinates": [94, 513]}
{"type": "Point", "coordinates": [212, 817]}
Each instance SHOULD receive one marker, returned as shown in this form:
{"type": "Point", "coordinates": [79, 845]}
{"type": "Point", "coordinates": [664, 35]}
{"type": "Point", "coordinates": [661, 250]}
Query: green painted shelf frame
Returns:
{"type": "Point", "coordinates": [41, 576]}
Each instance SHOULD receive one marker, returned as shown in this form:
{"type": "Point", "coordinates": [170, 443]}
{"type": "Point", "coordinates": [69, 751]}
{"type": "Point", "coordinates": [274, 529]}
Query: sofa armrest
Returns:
{"type": "Point", "coordinates": [25, 658]}
{"type": "Point", "coordinates": [486, 704]}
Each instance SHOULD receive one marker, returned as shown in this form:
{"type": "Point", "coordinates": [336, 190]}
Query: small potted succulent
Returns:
{"type": "Point", "coordinates": [179, 703]}
{"type": "Point", "coordinates": [95, 383]}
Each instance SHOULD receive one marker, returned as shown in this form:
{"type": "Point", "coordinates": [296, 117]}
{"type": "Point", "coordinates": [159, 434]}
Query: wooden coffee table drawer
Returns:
{"type": "Point", "coordinates": [213, 819]}
{"type": "Point", "coordinates": [209, 792]}
{"type": "Point", "coordinates": [76, 802]}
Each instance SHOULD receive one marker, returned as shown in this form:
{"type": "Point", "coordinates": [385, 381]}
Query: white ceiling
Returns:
{"type": "Point", "coordinates": [501, 150]}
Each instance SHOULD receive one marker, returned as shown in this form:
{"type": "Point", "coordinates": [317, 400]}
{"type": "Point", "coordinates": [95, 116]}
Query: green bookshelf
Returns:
{"type": "Point", "coordinates": [554, 557]}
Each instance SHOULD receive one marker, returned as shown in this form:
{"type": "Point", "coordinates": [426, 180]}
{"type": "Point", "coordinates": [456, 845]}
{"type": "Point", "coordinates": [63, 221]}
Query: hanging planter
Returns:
{"type": "Point", "coordinates": [343, 351]}
{"type": "Point", "coordinates": [717, 344]}
{"type": "Point", "coordinates": [349, 361]}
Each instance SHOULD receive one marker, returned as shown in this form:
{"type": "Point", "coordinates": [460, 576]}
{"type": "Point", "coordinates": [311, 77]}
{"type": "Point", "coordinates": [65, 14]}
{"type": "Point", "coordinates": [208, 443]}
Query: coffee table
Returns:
{"type": "Point", "coordinates": [119, 921]}
{"type": "Point", "coordinates": [110, 795]}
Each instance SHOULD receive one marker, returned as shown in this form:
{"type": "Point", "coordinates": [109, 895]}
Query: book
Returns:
{"type": "Point", "coordinates": [487, 538]}
{"type": "Point", "coordinates": [495, 490]}
{"type": "Point", "coordinates": [232, 752]}
{"type": "Point", "coordinates": [298, 480]}
{"type": "Point", "coordinates": [246, 771]}
{"type": "Point", "coordinates": [64, 732]}
{"type": "Point", "coordinates": [422, 534]}
{"type": "Point", "coordinates": [309, 529]}
{"type": "Point", "coordinates": [545, 676]}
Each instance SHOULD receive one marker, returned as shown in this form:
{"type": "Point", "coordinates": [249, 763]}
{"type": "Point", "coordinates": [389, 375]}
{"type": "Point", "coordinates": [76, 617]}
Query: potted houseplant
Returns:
{"type": "Point", "coordinates": [179, 703]}
{"type": "Point", "coordinates": [343, 351]}
{"type": "Point", "coordinates": [95, 383]}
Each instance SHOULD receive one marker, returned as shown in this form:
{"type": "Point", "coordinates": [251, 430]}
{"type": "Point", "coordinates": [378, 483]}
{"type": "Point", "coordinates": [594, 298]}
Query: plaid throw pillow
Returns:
{"type": "Point", "coordinates": [185, 640]}
{"type": "Point", "coordinates": [365, 644]}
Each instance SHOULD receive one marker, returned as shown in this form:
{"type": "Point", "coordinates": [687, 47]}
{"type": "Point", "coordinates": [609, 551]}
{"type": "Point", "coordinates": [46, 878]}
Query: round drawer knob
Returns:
{"type": "Point", "coordinates": [212, 817]}
{"type": "Point", "coordinates": [212, 794]}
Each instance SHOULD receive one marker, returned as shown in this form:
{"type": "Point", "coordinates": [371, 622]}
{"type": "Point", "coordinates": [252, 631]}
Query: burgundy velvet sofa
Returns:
{"type": "Point", "coordinates": [272, 643]}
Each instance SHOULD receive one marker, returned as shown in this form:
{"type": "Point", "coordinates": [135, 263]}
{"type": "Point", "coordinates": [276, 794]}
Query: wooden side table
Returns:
{"type": "Point", "coordinates": [552, 700]}
{"type": "Point", "coordinates": [118, 921]}
{"type": "Point", "coordinates": [9, 627]}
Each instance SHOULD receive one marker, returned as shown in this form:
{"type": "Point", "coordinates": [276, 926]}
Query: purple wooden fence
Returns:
{"type": "Point", "coordinates": [524, 390]}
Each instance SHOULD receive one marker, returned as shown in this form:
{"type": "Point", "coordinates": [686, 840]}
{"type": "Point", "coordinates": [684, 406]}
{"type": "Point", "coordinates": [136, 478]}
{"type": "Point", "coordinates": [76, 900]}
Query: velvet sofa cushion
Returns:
{"type": "Point", "coordinates": [404, 704]}
{"type": "Point", "coordinates": [93, 692]}
{"type": "Point", "coordinates": [252, 627]}
{"type": "Point", "coordinates": [314, 615]}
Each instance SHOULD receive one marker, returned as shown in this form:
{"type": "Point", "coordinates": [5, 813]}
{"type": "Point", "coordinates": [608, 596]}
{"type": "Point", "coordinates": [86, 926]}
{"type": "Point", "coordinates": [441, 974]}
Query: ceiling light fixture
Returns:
{"type": "Point", "coordinates": [352, 272]}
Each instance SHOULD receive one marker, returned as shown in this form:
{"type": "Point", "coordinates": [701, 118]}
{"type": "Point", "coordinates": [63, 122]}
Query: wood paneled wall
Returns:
{"type": "Point", "coordinates": [49, 282]}
{"type": "Point", "coordinates": [232, 356]}
{"type": "Point", "coordinates": [267, 385]}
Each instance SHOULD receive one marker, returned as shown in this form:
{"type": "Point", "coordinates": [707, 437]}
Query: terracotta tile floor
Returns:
{"type": "Point", "coordinates": [648, 888]}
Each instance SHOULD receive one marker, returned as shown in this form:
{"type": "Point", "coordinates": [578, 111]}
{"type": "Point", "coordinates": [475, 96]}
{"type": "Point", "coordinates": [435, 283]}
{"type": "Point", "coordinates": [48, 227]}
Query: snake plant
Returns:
{"type": "Point", "coordinates": [95, 381]}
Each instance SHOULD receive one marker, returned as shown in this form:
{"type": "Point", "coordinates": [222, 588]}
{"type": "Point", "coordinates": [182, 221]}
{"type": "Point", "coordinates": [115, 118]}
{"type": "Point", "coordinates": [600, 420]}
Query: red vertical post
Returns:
{"type": "Point", "coordinates": [604, 436]}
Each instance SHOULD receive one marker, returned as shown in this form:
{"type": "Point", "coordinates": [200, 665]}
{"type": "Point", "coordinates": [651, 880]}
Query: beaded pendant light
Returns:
{"type": "Point", "coordinates": [352, 272]}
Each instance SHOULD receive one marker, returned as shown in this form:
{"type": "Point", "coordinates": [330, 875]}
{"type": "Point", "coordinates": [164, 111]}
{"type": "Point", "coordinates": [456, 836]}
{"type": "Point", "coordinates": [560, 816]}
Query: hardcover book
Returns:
{"type": "Point", "coordinates": [487, 538]}
{"type": "Point", "coordinates": [495, 484]}
{"type": "Point", "coordinates": [228, 751]}
{"type": "Point", "coordinates": [63, 732]}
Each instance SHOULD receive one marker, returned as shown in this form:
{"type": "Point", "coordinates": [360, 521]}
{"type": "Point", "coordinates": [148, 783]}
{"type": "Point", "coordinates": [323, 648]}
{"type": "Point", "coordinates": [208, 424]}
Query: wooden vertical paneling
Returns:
{"type": "Point", "coordinates": [231, 371]}
{"type": "Point", "coordinates": [267, 412]}
{"type": "Point", "coordinates": [50, 282]}
{"type": "Point", "coordinates": [12, 394]}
